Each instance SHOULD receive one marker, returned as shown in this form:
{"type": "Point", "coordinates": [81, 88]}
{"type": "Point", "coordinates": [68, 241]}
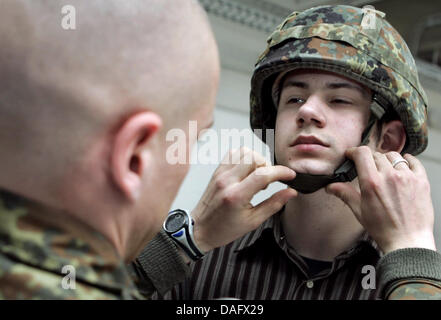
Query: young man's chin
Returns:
{"type": "Point", "coordinates": [315, 167]}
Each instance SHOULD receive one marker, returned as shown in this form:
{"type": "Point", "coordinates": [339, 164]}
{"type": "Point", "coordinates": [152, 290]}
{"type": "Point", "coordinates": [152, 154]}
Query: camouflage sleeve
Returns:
{"type": "Point", "coordinates": [415, 289]}
{"type": "Point", "coordinates": [411, 273]}
{"type": "Point", "coordinates": [160, 266]}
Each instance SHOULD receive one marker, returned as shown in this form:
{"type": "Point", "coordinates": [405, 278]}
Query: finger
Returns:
{"type": "Point", "coordinates": [232, 158]}
{"type": "Point", "coordinates": [262, 177]}
{"type": "Point", "coordinates": [382, 162]}
{"type": "Point", "coordinates": [415, 165]}
{"type": "Point", "coordinates": [225, 163]}
{"type": "Point", "coordinates": [394, 156]}
{"type": "Point", "coordinates": [365, 165]}
{"type": "Point", "coordinates": [250, 161]}
{"type": "Point", "coordinates": [272, 205]}
{"type": "Point", "coordinates": [348, 194]}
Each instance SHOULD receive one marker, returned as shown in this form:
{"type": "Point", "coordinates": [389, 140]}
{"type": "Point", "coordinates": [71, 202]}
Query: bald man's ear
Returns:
{"type": "Point", "coordinates": [393, 137]}
{"type": "Point", "coordinates": [132, 147]}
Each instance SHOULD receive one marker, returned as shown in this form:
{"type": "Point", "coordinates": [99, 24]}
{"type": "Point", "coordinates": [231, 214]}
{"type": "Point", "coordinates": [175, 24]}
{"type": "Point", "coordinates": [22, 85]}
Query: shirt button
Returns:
{"type": "Point", "coordinates": [310, 284]}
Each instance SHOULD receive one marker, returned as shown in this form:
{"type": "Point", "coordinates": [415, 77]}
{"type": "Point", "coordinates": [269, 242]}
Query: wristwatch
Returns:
{"type": "Point", "coordinates": [179, 226]}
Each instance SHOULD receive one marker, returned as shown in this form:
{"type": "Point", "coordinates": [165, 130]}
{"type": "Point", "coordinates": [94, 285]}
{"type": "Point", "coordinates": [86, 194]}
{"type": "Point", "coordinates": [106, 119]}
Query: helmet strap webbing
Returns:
{"type": "Point", "coordinates": [308, 183]}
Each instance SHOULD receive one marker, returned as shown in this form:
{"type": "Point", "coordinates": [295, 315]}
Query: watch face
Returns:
{"type": "Point", "coordinates": [175, 222]}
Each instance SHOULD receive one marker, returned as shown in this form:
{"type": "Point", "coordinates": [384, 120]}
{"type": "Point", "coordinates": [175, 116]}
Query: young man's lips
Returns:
{"type": "Point", "coordinates": [308, 140]}
{"type": "Point", "coordinates": [308, 147]}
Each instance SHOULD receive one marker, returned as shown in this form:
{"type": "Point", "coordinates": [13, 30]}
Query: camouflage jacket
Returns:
{"type": "Point", "coordinates": [46, 256]}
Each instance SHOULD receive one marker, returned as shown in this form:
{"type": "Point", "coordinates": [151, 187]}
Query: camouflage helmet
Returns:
{"type": "Point", "coordinates": [356, 43]}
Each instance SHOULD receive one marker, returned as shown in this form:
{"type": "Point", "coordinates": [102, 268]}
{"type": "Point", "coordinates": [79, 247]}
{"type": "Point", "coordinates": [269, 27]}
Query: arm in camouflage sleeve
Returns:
{"type": "Point", "coordinates": [160, 266]}
{"type": "Point", "coordinates": [410, 274]}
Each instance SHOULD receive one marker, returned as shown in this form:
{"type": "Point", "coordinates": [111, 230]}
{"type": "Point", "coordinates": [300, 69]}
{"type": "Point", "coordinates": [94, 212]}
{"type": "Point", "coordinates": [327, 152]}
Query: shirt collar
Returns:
{"type": "Point", "coordinates": [363, 242]}
{"type": "Point", "coordinates": [274, 224]}
{"type": "Point", "coordinates": [38, 236]}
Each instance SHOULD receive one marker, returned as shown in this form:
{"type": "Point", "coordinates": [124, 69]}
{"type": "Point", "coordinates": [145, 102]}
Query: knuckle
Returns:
{"type": "Point", "coordinates": [220, 182]}
{"type": "Point", "coordinates": [259, 179]}
{"type": "Point", "coordinates": [262, 173]}
{"type": "Point", "coordinates": [258, 157]}
{"type": "Point", "coordinates": [244, 152]}
{"type": "Point", "coordinates": [262, 177]}
{"type": "Point", "coordinates": [410, 157]}
{"type": "Point", "coordinates": [397, 176]}
{"type": "Point", "coordinates": [372, 185]}
{"type": "Point", "coordinates": [217, 173]}
{"type": "Point", "coordinates": [394, 155]}
{"type": "Point", "coordinates": [249, 158]}
{"type": "Point", "coordinates": [364, 149]}
{"type": "Point", "coordinates": [229, 198]}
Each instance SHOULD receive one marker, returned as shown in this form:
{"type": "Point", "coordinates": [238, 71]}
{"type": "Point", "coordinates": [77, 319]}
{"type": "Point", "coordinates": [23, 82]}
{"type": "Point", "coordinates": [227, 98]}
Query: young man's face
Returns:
{"type": "Point", "coordinates": [320, 115]}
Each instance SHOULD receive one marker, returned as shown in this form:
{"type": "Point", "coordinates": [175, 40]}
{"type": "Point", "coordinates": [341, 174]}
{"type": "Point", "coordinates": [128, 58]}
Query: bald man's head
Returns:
{"type": "Point", "coordinates": [60, 88]}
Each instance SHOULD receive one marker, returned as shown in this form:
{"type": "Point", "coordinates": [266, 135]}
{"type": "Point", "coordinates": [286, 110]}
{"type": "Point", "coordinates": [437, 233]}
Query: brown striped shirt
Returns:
{"type": "Point", "coordinates": [261, 265]}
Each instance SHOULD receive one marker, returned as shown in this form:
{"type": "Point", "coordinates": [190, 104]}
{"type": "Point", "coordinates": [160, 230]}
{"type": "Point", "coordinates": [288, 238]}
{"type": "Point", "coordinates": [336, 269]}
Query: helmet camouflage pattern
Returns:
{"type": "Point", "coordinates": [341, 39]}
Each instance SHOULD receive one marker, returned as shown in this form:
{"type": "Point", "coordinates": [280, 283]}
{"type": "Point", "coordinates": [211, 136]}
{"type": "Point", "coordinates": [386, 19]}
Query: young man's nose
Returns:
{"type": "Point", "coordinates": [311, 113]}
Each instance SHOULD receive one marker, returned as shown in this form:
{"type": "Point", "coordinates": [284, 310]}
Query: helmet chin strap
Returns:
{"type": "Point", "coordinates": [308, 183]}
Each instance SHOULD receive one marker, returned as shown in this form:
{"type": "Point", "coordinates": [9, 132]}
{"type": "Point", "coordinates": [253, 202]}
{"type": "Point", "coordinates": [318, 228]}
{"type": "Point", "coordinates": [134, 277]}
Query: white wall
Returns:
{"type": "Point", "coordinates": [431, 160]}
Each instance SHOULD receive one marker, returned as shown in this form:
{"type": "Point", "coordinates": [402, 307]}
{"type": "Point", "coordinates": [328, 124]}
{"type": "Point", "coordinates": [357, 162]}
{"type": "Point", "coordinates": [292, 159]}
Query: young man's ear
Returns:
{"type": "Point", "coordinates": [393, 137]}
{"type": "Point", "coordinates": [130, 144]}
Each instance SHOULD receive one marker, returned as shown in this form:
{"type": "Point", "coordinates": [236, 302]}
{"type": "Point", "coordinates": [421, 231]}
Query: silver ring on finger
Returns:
{"type": "Point", "coordinates": [398, 161]}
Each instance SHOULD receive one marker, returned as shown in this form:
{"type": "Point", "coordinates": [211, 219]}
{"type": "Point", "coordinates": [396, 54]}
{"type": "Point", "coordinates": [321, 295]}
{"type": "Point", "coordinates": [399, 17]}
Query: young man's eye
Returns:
{"type": "Point", "coordinates": [295, 100]}
{"type": "Point", "coordinates": [341, 101]}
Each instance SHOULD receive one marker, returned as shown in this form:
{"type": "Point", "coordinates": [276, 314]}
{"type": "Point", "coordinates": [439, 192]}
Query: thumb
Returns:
{"type": "Point", "coordinates": [348, 194]}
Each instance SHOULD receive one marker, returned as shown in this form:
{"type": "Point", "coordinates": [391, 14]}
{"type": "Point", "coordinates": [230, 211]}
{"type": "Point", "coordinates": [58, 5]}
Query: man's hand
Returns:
{"type": "Point", "coordinates": [393, 204]}
{"type": "Point", "coordinates": [224, 212]}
